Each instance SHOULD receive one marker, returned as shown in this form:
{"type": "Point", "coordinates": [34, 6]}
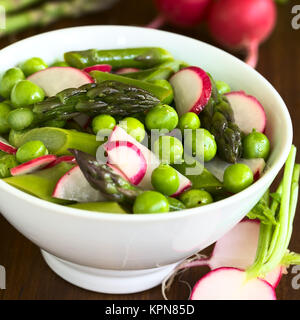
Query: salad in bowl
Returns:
{"type": "Point", "coordinates": [128, 131]}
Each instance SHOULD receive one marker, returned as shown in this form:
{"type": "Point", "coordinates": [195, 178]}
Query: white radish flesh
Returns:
{"type": "Point", "coordinates": [217, 167]}
{"type": "Point", "coordinates": [74, 186]}
{"type": "Point", "coordinates": [55, 79]}
{"type": "Point", "coordinates": [128, 158]}
{"type": "Point", "coordinates": [127, 70]}
{"type": "Point", "coordinates": [231, 284]}
{"type": "Point", "coordinates": [33, 165]}
{"type": "Point", "coordinates": [6, 147]}
{"type": "Point", "coordinates": [248, 112]}
{"type": "Point", "coordinates": [192, 90]}
{"type": "Point", "coordinates": [119, 134]}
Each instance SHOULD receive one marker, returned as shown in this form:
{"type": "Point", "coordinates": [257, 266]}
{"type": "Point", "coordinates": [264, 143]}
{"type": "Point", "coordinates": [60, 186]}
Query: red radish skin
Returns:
{"type": "Point", "coordinates": [231, 284]}
{"type": "Point", "coordinates": [248, 112]}
{"type": "Point", "coordinates": [55, 79]}
{"type": "Point", "coordinates": [183, 13]}
{"type": "Point", "coordinates": [237, 249]}
{"type": "Point", "coordinates": [33, 165]}
{"type": "Point", "coordinates": [127, 70]}
{"type": "Point", "coordinates": [98, 67]}
{"type": "Point", "coordinates": [68, 159]}
{"type": "Point", "coordinates": [192, 90]}
{"type": "Point", "coordinates": [6, 147]}
{"type": "Point", "coordinates": [128, 158]}
{"type": "Point", "coordinates": [119, 134]}
{"type": "Point", "coordinates": [217, 167]}
{"type": "Point", "coordinates": [242, 24]}
{"type": "Point", "coordinates": [73, 186]}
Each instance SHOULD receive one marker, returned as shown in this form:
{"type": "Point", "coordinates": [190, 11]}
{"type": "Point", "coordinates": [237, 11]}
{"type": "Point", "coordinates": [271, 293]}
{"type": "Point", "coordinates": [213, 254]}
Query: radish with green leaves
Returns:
{"type": "Point", "coordinates": [232, 276]}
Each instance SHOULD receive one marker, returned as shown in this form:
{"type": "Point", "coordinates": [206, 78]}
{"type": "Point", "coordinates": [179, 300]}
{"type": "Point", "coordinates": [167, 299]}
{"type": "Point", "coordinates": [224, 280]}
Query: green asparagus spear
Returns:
{"type": "Point", "coordinates": [41, 183]}
{"type": "Point", "coordinates": [114, 187]}
{"type": "Point", "coordinates": [15, 5]}
{"type": "Point", "coordinates": [58, 140]}
{"type": "Point", "coordinates": [50, 12]}
{"type": "Point", "coordinates": [108, 97]}
{"type": "Point", "coordinates": [159, 92]}
{"type": "Point", "coordinates": [101, 177]}
{"type": "Point", "coordinates": [217, 117]}
{"type": "Point", "coordinates": [162, 72]}
{"type": "Point", "coordinates": [119, 58]}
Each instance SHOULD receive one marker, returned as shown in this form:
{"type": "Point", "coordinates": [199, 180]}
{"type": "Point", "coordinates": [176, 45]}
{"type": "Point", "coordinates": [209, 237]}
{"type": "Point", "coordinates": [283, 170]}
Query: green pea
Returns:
{"type": "Point", "coordinates": [31, 150]}
{"type": "Point", "coordinates": [237, 177]}
{"type": "Point", "coordinates": [134, 127]}
{"type": "Point", "coordinates": [7, 162]}
{"type": "Point", "coordinates": [222, 87]}
{"type": "Point", "coordinates": [9, 79]}
{"type": "Point", "coordinates": [60, 64]}
{"type": "Point", "coordinates": [196, 198]}
{"type": "Point", "coordinates": [4, 111]}
{"type": "Point", "coordinates": [20, 119]}
{"type": "Point", "coordinates": [103, 122]}
{"type": "Point", "coordinates": [25, 93]}
{"type": "Point", "coordinates": [151, 202]}
{"type": "Point", "coordinates": [33, 65]}
{"type": "Point", "coordinates": [161, 117]}
{"type": "Point", "coordinates": [200, 143]}
{"type": "Point", "coordinates": [165, 179]}
{"type": "Point", "coordinates": [175, 204]}
{"type": "Point", "coordinates": [168, 149]}
{"type": "Point", "coordinates": [189, 120]}
{"type": "Point", "coordinates": [55, 123]}
{"type": "Point", "coordinates": [165, 84]}
{"type": "Point", "coordinates": [256, 145]}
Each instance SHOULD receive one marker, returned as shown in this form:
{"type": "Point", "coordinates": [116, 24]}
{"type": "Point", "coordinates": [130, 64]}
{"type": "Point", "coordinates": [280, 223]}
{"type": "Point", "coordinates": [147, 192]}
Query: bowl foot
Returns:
{"type": "Point", "coordinates": [107, 281]}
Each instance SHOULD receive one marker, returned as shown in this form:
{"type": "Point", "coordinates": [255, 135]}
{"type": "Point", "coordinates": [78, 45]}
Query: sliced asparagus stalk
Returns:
{"type": "Point", "coordinates": [119, 58]}
{"type": "Point", "coordinates": [50, 12]}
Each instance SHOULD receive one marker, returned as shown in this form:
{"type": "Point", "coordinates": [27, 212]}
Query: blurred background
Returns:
{"type": "Point", "coordinates": [238, 26]}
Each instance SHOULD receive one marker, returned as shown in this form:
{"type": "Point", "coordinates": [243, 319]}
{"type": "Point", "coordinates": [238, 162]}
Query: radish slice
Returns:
{"type": "Point", "coordinates": [192, 90]}
{"type": "Point", "coordinates": [119, 134]}
{"type": "Point", "coordinates": [99, 67]}
{"type": "Point", "coordinates": [33, 165]}
{"type": "Point", "coordinates": [68, 159]}
{"type": "Point", "coordinates": [217, 167]}
{"type": "Point", "coordinates": [128, 158]}
{"type": "Point", "coordinates": [6, 147]}
{"type": "Point", "coordinates": [248, 112]}
{"type": "Point", "coordinates": [231, 284]}
{"type": "Point", "coordinates": [55, 79]}
{"type": "Point", "coordinates": [127, 70]}
{"type": "Point", "coordinates": [237, 249]}
{"type": "Point", "coordinates": [74, 186]}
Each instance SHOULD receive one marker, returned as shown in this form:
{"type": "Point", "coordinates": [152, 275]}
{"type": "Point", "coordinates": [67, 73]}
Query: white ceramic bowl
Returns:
{"type": "Point", "coordinates": [117, 253]}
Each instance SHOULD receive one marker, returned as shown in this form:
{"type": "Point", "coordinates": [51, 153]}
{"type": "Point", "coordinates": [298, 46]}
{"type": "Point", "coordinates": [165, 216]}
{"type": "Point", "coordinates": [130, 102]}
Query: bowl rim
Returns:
{"type": "Point", "coordinates": [80, 213]}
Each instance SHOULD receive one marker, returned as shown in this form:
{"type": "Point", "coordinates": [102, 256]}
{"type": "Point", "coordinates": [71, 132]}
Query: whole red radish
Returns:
{"type": "Point", "coordinates": [242, 24]}
{"type": "Point", "coordinates": [183, 13]}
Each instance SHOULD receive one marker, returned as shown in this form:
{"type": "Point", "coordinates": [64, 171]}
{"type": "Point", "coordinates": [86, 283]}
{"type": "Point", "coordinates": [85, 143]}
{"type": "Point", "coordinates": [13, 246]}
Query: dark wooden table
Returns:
{"type": "Point", "coordinates": [28, 276]}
